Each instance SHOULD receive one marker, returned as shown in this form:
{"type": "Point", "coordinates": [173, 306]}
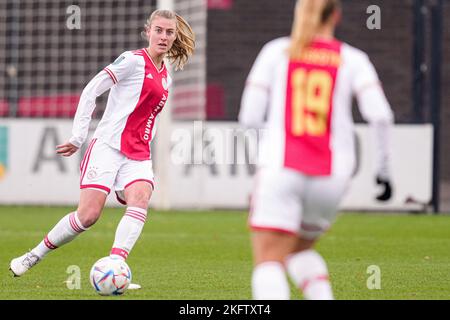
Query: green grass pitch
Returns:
{"type": "Point", "coordinates": [206, 255]}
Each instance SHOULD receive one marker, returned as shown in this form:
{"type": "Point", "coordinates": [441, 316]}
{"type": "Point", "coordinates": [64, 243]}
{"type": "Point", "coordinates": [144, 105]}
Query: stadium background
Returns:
{"type": "Point", "coordinates": [45, 65]}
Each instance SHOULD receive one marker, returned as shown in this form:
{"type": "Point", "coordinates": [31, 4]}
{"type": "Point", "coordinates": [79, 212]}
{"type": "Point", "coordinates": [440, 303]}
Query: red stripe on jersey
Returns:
{"type": "Point", "coordinates": [309, 106]}
{"type": "Point", "coordinates": [138, 131]}
{"type": "Point", "coordinates": [111, 74]}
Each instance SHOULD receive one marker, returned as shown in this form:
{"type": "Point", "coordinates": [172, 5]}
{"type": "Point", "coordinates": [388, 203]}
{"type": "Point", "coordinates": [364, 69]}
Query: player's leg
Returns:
{"type": "Point", "coordinates": [309, 271]}
{"type": "Point", "coordinates": [270, 249]}
{"type": "Point", "coordinates": [98, 171]}
{"type": "Point", "coordinates": [134, 187]}
{"type": "Point", "coordinates": [305, 265]}
{"type": "Point", "coordinates": [130, 226]}
{"type": "Point", "coordinates": [73, 224]}
{"type": "Point", "coordinates": [274, 219]}
{"type": "Point", "coordinates": [66, 230]}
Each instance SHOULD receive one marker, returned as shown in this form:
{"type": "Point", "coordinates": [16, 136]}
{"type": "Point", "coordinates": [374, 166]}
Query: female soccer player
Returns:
{"type": "Point", "coordinates": [119, 155]}
{"type": "Point", "coordinates": [304, 86]}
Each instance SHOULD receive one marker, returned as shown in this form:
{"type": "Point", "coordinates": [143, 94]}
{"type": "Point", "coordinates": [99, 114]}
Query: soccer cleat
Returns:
{"type": "Point", "coordinates": [23, 263]}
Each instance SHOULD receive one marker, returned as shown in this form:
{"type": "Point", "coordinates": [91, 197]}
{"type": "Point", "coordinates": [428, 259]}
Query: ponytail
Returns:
{"type": "Point", "coordinates": [184, 45]}
{"type": "Point", "coordinates": [309, 16]}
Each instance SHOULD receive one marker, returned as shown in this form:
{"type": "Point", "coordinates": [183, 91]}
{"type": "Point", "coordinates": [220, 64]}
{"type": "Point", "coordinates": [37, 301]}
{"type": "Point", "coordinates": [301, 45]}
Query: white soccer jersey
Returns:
{"type": "Point", "coordinates": [308, 104]}
{"type": "Point", "coordinates": [138, 93]}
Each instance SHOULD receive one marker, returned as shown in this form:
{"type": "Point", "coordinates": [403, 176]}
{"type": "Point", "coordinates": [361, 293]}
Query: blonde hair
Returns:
{"type": "Point", "coordinates": [309, 16]}
{"type": "Point", "coordinates": [184, 44]}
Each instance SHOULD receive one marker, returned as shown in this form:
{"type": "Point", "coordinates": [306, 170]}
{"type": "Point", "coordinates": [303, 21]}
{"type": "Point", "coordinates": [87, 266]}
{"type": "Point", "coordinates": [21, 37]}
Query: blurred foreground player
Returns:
{"type": "Point", "coordinates": [303, 85]}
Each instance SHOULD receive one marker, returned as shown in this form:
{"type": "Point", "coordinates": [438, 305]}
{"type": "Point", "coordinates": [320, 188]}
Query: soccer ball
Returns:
{"type": "Point", "coordinates": [110, 276]}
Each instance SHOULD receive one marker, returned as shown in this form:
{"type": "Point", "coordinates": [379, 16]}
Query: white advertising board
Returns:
{"type": "Point", "coordinates": [207, 166]}
{"type": "Point", "coordinates": [225, 184]}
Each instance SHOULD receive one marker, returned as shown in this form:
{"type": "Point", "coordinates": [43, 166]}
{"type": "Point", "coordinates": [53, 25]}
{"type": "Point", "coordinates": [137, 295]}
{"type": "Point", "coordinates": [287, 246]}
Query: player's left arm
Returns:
{"type": "Point", "coordinates": [377, 111]}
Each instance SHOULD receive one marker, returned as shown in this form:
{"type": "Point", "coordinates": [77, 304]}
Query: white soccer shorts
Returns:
{"type": "Point", "coordinates": [289, 202]}
{"type": "Point", "coordinates": [104, 168]}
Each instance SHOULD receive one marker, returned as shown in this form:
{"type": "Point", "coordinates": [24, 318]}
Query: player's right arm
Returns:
{"type": "Point", "coordinates": [97, 86]}
{"type": "Point", "coordinates": [257, 90]}
{"type": "Point", "coordinates": [121, 68]}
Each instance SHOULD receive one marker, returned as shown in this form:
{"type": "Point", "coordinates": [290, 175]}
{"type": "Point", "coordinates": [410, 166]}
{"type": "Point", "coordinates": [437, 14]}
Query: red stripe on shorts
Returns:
{"type": "Point", "coordinates": [88, 156]}
{"type": "Point", "coordinates": [138, 180]}
{"type": "Point", "coordinates": [256, 228]}
{"type": "Point", "coordinates": [95, 186]}
{"type": "Point", "coordinates": [85, 155]}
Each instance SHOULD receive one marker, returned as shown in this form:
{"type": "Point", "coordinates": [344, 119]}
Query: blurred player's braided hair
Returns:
{"type": "Point", "coordinates": [309, 16]}
{"type": "Point", "coordinates": [184, 45]}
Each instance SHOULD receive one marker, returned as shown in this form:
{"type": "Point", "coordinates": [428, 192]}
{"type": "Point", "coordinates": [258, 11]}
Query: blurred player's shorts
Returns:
{"type": "Point", "coordinates": [290, 202]}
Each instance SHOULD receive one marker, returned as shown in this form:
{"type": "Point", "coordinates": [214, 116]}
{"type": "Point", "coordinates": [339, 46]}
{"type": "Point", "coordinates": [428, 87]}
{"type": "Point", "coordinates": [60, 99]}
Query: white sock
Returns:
{"type": "Point", "coordinates": [128, 231]}
{"type": "Point", "coordinates": [309, 272]}
{"type": "Point", "coordinates": [269, 282]}
{"type": "Point", "coordinates": [67, 229]}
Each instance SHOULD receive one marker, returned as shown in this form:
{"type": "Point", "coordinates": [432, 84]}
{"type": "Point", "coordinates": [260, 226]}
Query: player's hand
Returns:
{"type": "Point", "coordinates": [387, 189]}
{"type": "Point", "coordinates": [66, 150]}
